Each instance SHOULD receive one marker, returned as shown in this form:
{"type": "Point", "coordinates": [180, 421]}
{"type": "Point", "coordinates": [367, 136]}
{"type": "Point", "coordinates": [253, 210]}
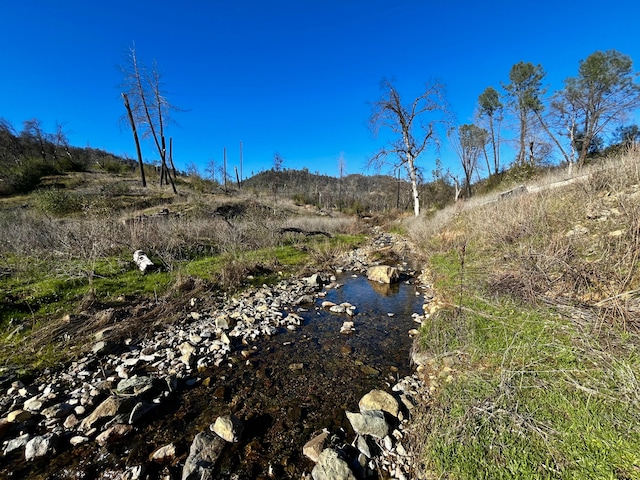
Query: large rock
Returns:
{"type": "Point", "coordinates": [228, 428]}
{"type": "Point", "coordinates": [369, 422]}
{"type": "Point", "coordinates": [383, 274]}
{"type": "Point", "coordinates": [203, 454]}
{"type": "Point", "coordinates": [331, 467]}
{"type": "Point", "coordinates": [379, 400]}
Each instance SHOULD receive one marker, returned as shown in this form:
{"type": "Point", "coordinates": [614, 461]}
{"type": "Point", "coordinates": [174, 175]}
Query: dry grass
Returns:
{"type": "Point", "coordinates": [578, 243]}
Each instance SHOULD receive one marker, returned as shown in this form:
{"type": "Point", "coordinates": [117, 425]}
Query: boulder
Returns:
{"type": "Point", "coordinates": [383, 274]}
{"type": "Point", "coordinates": [379, 400]}
{"type": "Point", "coordinates": [369, 422]}
{"type": "Point", "coordinates": [331, 467]}
{"type": "Point", "coordinates": [203, 455]}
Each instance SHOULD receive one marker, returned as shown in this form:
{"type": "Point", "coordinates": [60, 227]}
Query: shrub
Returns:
{"type": "Point", "coordinates": [57, 202]}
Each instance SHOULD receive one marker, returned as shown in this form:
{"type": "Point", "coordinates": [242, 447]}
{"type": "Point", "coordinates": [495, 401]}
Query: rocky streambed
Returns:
{"type": "Point", "coordinates": [299, 380]}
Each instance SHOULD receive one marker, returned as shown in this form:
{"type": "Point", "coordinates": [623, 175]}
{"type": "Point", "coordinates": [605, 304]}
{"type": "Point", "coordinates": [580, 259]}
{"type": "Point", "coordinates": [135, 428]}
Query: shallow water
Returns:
{"type": "Point", "coordinates": [281, 404]}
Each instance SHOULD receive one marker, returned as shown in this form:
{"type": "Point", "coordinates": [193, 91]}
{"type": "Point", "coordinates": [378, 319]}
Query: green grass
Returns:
{"type": "Point", "coordinates": [537, 396]}
{"type": "Point", "coordinates": [36, 292]}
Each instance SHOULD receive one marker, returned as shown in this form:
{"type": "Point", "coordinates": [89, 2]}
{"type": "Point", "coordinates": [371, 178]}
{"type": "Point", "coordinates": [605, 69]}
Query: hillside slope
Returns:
{"type": "Point", "coordinates": [531, 350]}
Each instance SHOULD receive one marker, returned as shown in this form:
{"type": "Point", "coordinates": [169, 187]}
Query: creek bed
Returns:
{"type": "Point", "coordinates": [289, 387]}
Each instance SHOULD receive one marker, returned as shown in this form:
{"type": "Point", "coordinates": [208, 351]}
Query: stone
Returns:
{"type": "Point", "coordinates": [369, 422]}
{"type": "Point", "coordinates": [33, 405]}
{"type": "Point", "coordinates": [113, 434]}
{"type": "Point", "coordinates": [314, 280]}
{"type": "Point", "coordinates": [379, 400]}
{"type": "Point", "coordinates": [18, 416]}
{"type": "Point", "coordinates": [16, 443]}
{"type": "Point", "coordinates": [315, 446]}
{"type": "Point", "coordinates": [347, 328]}
{"type": "Point", "coordinates": [142, 260]}
{"type": "Point", "coordinates": [40, 446]}
{"type": "Point", "coordinates": [136, 385]}
{"type": "Point", "coordinates": [331, 467]}
{"type": "Point", "coordinates": [203, 455]}
{"type": "Point", "coordinates": [229, 428]}
{"type": "Point", "coordinates": [383, 274]}
{"type": "Point", "coordinates": [109, 408]}
{"type": "Point", "coordinates": [165, 454]}
{"type": "Point", "coordinates": [57, 411]}
{"type": "Point", "coordinates": [78, 440]}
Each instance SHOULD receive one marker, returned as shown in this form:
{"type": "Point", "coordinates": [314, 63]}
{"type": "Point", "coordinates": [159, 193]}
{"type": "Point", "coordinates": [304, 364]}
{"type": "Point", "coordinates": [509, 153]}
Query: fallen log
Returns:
{"type": "Point", "coordinates": [309, 233]}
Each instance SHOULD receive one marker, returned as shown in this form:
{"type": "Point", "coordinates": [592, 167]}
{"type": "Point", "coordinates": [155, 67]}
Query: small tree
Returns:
{"type": "Point", "coordinates": [524, 94]}
{"type": "Point", "coordinates": [491, 107]}
{"type": "Point", "coordinates": [469, 142]}
{"type": "Point", "coordinates": [413, 126]}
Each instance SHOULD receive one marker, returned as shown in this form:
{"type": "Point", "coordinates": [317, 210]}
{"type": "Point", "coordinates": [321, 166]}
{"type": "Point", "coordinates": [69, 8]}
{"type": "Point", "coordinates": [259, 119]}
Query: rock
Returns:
{"type": "Point", "coordinates": [78, 440]}
{"type": "Point", "coordinates": [33, 405]}
{"type": "Point", "coordinates": [164, 454]}
{"type": "Point", "coordinates": [137, 385]}
{"type": "Point", "coordinates": [113, 434]}
{"type": "Point", "coordinates": [331, 467]}
{"type": "Point", "coordinates": [18, 416]}
{"type": "Point", "coordinates": [16, 443]}
{"type": "Point", "coordinates": [347, 328]}
{"type": "Point", "coordinates": [379, 400]}
{"type": "Point", "coordinates": [57, 411]}
{"type": "Point", "coordinates": [383, 274]}
{"type": "Point", "coordinates": [363, 446]}
{"type": "Point", "coordinates": [187, 353]}
{"type": "Point", "coordinates": [203, 454]}
{"type": "Point", "coordinates": [40, 446]}
{"type": "Point", "coordinates": [142, 261]}
{"type": "Point", "coordinates": [369, 422]}
{"type": "Point", "coordinates": [314, 447]}
{"type": "Point", "coordinates": [229, 428]}
{"type": "Point", "coordinates": [337, 309]}
{"type": "Point", "coordinates": [314, 280]}
{"type": "Point", "coordinates": [109, 408]}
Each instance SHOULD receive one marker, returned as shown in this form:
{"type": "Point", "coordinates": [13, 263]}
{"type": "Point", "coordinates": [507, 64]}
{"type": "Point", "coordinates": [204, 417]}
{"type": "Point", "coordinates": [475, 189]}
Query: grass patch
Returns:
{"type": "Point", "coordinates": [538, 394]}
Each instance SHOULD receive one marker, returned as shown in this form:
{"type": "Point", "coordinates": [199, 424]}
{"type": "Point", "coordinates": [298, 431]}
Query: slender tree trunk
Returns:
{"type": "Point", "coordinates": [493, 145]}
{"type": "Point", "coordinates": [413, 176]}
{"type": "Point", "coordinates": [173, 167]}
{"type": "Point", "coordinates": [135, 138]}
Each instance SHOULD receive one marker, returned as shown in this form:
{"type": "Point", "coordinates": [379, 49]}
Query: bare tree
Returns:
{"type": "Point", "coordinates": [469, 142]}
{"type": "Point", "coordinates": [414, 126]}
{"type": "Point", "coordinates": [149, 107]}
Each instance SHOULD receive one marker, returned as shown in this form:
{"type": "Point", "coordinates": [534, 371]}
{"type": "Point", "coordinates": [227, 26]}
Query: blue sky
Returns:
{"type": "Point", "coordinates": [293, 77]}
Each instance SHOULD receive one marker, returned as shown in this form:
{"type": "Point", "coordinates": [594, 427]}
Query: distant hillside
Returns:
{"type": "Point", "coordinates": [356, 193]}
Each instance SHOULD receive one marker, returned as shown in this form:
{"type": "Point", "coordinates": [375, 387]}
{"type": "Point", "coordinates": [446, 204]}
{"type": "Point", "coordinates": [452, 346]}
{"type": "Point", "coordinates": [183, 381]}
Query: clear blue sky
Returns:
{"type": "Point", "coordinates": [287, 76]}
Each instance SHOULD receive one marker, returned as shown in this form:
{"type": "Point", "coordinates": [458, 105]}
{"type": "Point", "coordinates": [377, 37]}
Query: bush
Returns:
{"type": "Point", "coordinates": [57, 202]}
